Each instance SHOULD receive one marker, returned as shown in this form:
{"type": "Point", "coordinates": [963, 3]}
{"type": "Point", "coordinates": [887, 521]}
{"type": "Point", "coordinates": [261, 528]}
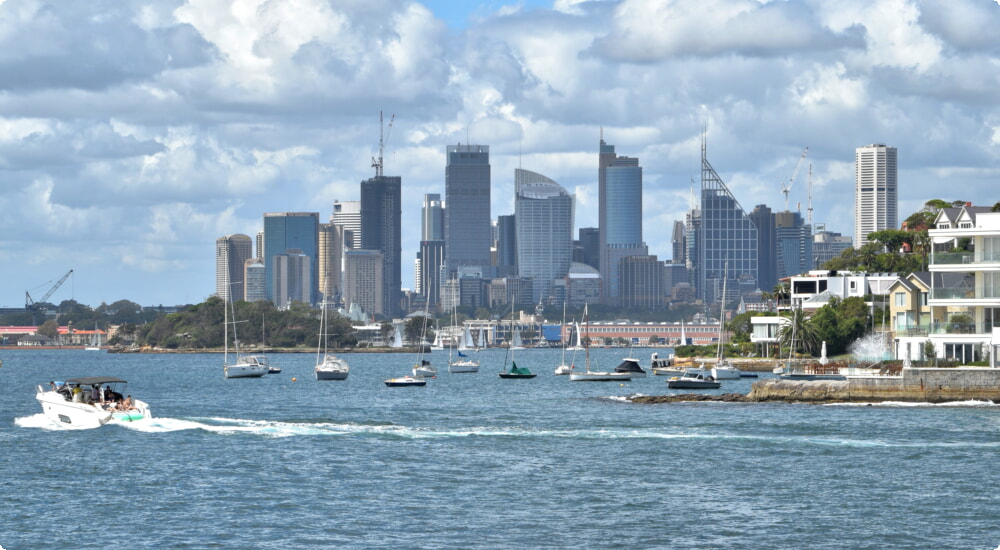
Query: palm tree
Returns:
{"type": "Point", "coordinates": [804, 331]}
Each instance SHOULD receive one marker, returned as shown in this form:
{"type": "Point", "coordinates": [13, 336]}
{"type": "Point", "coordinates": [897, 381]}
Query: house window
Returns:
{"type": "Point", "coordinates": [923, 299]}
{"type": "Point", "coordinates": [965, 225]}
{"type": "Point", "coordinates": [900, 299]}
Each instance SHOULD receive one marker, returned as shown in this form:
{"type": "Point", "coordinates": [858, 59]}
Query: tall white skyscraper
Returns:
{"type": "Point", "coordinates": [874, 191]}
{"type": "Point", "coordinates": [231, 252]}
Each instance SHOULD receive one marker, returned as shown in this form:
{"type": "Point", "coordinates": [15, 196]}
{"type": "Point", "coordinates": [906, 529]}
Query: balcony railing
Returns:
{"type": "Point", "coordinates": [913, 330]}
{"type": "Point", "coordinates": [964, 293]}
{"type": "Point", "coordinates": [956, 258]}
{"type": "Point", "coordinates": [953, 328]}
{"type": "Point", "coordinates": [947, 258]}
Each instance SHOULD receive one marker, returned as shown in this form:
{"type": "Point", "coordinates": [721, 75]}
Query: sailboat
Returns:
{"type": "Point", "coordinates": [515, 340]}
{"type": "Point", "coordinates": [482, 339]}
{"type": "Point", "coordinates": [577, 346]}
{"type": "Point", "coordinates": [397, 338]}
{"type": "Point", "coordinates": [328, 367]}
{"type": "Point", "coordinates": [595, 376]}
{"type": "Point", "coordinates": [563, 368]}
{"type": "Point", "coordinates": [423, 368]}
{"type": "Point", "coordinates": [246, 366]}
{"type": "Point", "coordinates": [700, 378]}
{"type": "Point", "coordinates": [95, 340]}
{"type": "Point", "coordinates": [724, 369]}
{"type": "Point", "coordinates": [515, 371]}
{"type": "Point", "coordinates": [464, 363]}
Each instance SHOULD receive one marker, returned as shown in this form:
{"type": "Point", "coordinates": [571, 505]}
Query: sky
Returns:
{"type": "Point", "coordinates": [134, 134]}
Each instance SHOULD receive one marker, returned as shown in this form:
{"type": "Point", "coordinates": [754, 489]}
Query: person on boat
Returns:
{"type": "Point", "coordinates": [52, 385]}
{"type": "Point", "coordinates": [77, 393]}
{"type": "Point", "coordinates": [95, 393]}
{"type": "Point", "coordinates": [128, 404]}
{"type": "Point", "coordinates": [108, 396]}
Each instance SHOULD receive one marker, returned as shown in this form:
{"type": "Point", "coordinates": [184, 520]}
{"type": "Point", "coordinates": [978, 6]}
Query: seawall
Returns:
{"type": "Point", "coordinates": [912, 385]}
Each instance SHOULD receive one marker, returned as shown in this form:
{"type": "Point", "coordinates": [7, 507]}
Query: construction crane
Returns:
{"type": "Point", "coordinates": [785, 188]}
{"type": "Point", "coordinates": [382, 138]}
{"type": "Point", "coordinates": [32, 305]}
{"type": "Point", "coordinates": [810, 188]}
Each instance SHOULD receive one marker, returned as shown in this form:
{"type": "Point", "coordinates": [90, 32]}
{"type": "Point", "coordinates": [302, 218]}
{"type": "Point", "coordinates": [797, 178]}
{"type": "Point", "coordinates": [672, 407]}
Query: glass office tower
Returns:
{"type": "Point", "coordinates": [284, 231]}
{"type": "Point", "coordinates": [467, 220]}
{"type": "Point", "coordinates": [543, 214]}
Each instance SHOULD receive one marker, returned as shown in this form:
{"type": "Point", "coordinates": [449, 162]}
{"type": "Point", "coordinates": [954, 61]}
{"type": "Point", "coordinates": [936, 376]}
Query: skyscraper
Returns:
{"type": "Point", "coordinates": [231, 252]}
{"type": "Point", "coordinates": [363, 280]}
{"type": "Point", "coordinates": [543, 214]}
{"type": "Point", "coordinates": [284, 231]}
{"type": "Point", "coordinates": [727, 239]}
{"type": "Point", "coordinates": [331, 251]}
{"type": "Point", "coordinates": [620, 212]}
{"type": "Point", "coordinates": [432, 218]}
{"type": "Point", "coordinates": [467, 215]}
{"type": "Point", "coordinates": [431, 258]}
{"type": "Point", "coordinates": [875, 191]}
{"type": "Point", "coordinates": [292, 272]}
{"type": "Point", "coordinates": [767, 246]}
{"type": "Point", "coordinates": [381, 231]}
{"type": "Point", "coordinates": [794, 244]}
{"type": "Point", "coordinates": [348, 215]}
{"type": "Point", "coordinates": [506, 246]}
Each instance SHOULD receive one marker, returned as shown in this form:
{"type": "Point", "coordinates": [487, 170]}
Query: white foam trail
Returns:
{"type": "Point", "coordinates": [39, 421]}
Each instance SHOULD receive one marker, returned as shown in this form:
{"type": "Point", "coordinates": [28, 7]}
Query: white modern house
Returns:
{"type": "Point", "coordinates": [964, 299]}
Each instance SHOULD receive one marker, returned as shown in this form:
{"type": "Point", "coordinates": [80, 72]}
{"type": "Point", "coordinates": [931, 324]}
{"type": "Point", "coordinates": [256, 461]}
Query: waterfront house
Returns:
{"type": "Point", "coordinates": [964, 296]}
{"type": "Point", "coordinates": [909, 314]}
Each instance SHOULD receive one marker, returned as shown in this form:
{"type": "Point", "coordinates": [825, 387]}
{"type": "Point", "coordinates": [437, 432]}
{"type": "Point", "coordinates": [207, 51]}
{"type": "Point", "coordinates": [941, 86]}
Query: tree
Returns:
{"type": "Point", "coordinates": [49, 328]}
{"type": "Point", "coordinates": [799, 332]}
{"type": "Point", "coordinates": [654, 340]}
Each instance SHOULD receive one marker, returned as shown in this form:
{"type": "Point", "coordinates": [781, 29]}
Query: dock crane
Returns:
{"type": "Point", "coordinates": [786, 187]}
{"type": "Point", "coordinates": [30, 305]}
{"type": "Point", "coordinates": [382, 138]}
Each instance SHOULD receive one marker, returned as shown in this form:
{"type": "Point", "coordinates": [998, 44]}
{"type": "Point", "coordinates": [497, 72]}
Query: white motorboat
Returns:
{"type": "Point", "coordinates": [406, 381]}
{"type": "Point", "coordinates": [328, 366]}
{"type": "Point", "coordinates": [89, 402]}
{"type": "Point", "coordinates": [693, 382]}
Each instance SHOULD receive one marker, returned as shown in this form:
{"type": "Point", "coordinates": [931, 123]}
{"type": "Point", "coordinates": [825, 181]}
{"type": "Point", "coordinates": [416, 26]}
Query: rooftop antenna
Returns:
{"type": "Point", "coordinates": [383, 137]}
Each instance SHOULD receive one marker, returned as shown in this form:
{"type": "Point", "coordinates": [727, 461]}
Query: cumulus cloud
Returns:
{"type": "Point", "coordinates": [133, 134]}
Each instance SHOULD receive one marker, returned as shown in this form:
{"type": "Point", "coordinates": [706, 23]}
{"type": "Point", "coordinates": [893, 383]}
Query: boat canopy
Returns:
{"type": "Point", "coordinates": [514, 369]}
{"type": "Point", "coordinates": [629, 365]}
{"type": "Point", "coordinates": [94, 380]}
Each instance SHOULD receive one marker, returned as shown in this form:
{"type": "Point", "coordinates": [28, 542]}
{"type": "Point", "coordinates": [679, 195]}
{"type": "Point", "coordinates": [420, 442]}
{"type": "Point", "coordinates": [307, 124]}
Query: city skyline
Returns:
{"type": "Point", "coordinates": [211, 116]}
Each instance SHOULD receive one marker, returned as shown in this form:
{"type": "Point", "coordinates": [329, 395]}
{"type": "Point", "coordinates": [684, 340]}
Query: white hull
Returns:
{"type": "Point", "coordinates": [667, 371]}
{"type": "Point", "coordinates": [332, 368]}
{"type": "Point", "coordinates": [463, 366]}
{"type": "Point", "coordinates": [242, 370]}
{"type": "Point", "coordinates": [726, 373]}
{"type": "Point", "coordinates": [563, 370]}
{"type": "Point", "coordinates": [78, 415]}
{"type": "Point", "coordinates": [425, 372]}
{"type": "Point", "coordinates": [599, 376]}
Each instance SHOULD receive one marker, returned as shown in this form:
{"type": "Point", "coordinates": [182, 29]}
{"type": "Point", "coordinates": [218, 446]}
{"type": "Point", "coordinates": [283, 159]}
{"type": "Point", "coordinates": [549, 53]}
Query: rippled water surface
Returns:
{"type": "Point", "coordinates": [473, 461]}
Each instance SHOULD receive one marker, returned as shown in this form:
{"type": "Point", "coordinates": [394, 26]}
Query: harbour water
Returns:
{"type": "Point", "coordinates": [473, 461]}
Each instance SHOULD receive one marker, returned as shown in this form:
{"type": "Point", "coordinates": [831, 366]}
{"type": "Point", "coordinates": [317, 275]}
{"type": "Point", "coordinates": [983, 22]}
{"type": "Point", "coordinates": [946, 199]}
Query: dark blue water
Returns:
{"type": "Point", "coordinates": [473, 461]}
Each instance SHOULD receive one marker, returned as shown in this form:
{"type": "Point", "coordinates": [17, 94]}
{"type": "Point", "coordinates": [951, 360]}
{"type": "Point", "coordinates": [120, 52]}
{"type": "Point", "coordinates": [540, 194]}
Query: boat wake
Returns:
{"type": "Point", "coordinates": [38, 421]}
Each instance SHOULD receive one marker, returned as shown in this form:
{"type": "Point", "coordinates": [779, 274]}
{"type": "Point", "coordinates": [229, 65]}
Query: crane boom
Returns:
{"type": "Point", "coordinates": [28, 302]}
{"type": "Point", "coordinates": [785, 188]}
{"type": "Point", "coordinates": [382, 138]}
